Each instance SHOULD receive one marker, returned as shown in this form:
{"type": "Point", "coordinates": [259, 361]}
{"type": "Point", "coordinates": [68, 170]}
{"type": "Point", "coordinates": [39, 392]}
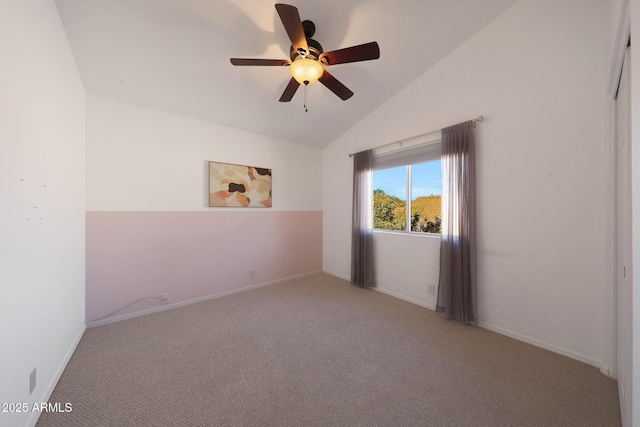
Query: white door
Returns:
{"type": "Point", "coordinates": [623, 240]}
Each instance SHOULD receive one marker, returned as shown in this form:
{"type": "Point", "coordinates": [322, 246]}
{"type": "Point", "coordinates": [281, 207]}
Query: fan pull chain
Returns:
{"type": "Point", "coordinates": [306, 84]}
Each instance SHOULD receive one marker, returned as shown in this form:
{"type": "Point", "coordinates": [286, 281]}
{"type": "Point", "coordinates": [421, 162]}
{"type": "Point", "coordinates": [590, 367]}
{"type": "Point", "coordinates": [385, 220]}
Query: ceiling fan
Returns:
{"type": "Point", "coordinates": [308, 58]}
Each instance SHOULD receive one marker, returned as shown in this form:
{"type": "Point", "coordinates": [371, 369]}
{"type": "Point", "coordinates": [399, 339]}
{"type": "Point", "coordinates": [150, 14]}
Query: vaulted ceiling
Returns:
{"type": "Point", "coordinates": [173, 55]}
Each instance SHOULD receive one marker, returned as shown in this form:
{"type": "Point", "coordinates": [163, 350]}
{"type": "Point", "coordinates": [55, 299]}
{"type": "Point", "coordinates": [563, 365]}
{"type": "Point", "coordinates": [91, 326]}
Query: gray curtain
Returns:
{"type": "Point", "coordinates": [457, 294]}
{"type": "Point", "coordinates": [362, 232]}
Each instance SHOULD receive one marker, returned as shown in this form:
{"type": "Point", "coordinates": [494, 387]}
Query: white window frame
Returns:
{"type": "Point", "coordinates": [424, 150]}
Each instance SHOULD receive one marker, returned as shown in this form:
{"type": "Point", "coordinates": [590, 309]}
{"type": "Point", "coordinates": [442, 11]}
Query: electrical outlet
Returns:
{"type": "Point", "coordinates": [252, 273]}
{"type": "Point", "coordinates": [32, 381]}
{"type": "Point", "coordinates": [431, 289]}
{"type": "Point", "coordinates": [164, 299]}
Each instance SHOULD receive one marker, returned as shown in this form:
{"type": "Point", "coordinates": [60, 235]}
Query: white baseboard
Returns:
{"type": "Point", "coordinates": [402, 297]}
{"type": "Point", "coordinates": [542, 344]}
{"type": "Point", "coordinates": [384, 291]}
{"type": "Point", "coordinates": [193, 301]}
{"type": "Point", "coordinates": [46, 394]}
{"type": "Point", "coordinates": [339, 276]}
{"type": "Point", "coordinates": [519, 337]}
{"type": "Point", "coordinates": [571, 354]}
{"type": "Point", "coordinates": [606, 370]}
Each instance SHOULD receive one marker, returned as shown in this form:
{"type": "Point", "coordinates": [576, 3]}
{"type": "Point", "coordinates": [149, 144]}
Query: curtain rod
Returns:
{"type": "Point", "coordinates": [400, 141]}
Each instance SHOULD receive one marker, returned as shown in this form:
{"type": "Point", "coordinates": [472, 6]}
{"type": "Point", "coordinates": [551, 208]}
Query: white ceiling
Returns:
{"type": "Point", "coordinates": [173, 55]}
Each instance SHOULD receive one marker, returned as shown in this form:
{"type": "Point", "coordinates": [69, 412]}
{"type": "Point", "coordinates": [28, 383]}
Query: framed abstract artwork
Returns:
{"type": "Point", "coordinates": [239, 186]}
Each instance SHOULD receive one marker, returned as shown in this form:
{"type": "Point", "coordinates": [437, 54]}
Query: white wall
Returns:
{"type": "Point", "coordinates": [140, 159]}
{"type": "Point", "coordinates": [538, 74]}
{"type": "Point", "coordinates": [409, 279]}
{"type": "Point", "coordinates": [42, 186]}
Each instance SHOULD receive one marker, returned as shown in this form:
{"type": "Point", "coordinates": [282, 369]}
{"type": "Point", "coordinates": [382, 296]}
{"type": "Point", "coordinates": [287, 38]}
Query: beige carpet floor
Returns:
{"type": "Point", "coordinates": [318, 351]}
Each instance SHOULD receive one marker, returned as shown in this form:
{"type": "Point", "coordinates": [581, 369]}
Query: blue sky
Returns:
{"type": "Point", "coordinates": [426, 180]}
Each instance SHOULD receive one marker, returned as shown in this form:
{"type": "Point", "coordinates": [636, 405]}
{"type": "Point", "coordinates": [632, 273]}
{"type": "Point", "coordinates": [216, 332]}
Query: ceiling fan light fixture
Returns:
{"type": "Point", "coordinates": [306, 71]}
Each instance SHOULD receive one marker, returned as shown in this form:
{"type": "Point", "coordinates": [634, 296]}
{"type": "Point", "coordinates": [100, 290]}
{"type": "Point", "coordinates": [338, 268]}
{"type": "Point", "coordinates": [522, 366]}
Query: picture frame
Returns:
{"type": "Point", "coordinates": [232, 185]}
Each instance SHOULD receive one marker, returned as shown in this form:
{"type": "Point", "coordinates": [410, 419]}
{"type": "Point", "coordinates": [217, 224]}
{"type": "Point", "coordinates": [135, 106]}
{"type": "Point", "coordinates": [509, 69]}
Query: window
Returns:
{"type": "Point", "coordinates": [407, 190]}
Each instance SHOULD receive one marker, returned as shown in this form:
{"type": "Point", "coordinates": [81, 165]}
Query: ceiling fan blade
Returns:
{"type": "Point", "coordinates": [363, 52]}
{"type": "Point", "coordinates": [290, 90]}
{"type": "Point", "coordinates": [257, 61]}
{"type": "Point", "coordinates": [291, 20]}
{"type": "Point", "coordinates": [335, 86]}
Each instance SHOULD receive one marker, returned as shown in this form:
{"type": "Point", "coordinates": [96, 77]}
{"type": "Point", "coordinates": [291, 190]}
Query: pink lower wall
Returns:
{"type": "Point", "coordinates": [190, 255]}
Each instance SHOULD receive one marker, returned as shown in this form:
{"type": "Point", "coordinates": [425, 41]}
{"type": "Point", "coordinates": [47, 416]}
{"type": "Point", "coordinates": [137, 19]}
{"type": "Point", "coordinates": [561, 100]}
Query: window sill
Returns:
{"type": "Point", "coordinates": [407, 233]}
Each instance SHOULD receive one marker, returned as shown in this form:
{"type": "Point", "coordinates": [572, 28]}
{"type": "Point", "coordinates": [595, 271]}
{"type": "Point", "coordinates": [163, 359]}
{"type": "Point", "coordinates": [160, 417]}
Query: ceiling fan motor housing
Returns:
{"type": "Point", "coordinates": [315, 48]}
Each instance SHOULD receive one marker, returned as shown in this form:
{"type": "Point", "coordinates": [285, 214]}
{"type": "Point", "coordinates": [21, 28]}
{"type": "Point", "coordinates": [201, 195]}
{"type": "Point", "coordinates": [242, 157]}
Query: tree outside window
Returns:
{"type": "Point", "coordinates": [408, 198]}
